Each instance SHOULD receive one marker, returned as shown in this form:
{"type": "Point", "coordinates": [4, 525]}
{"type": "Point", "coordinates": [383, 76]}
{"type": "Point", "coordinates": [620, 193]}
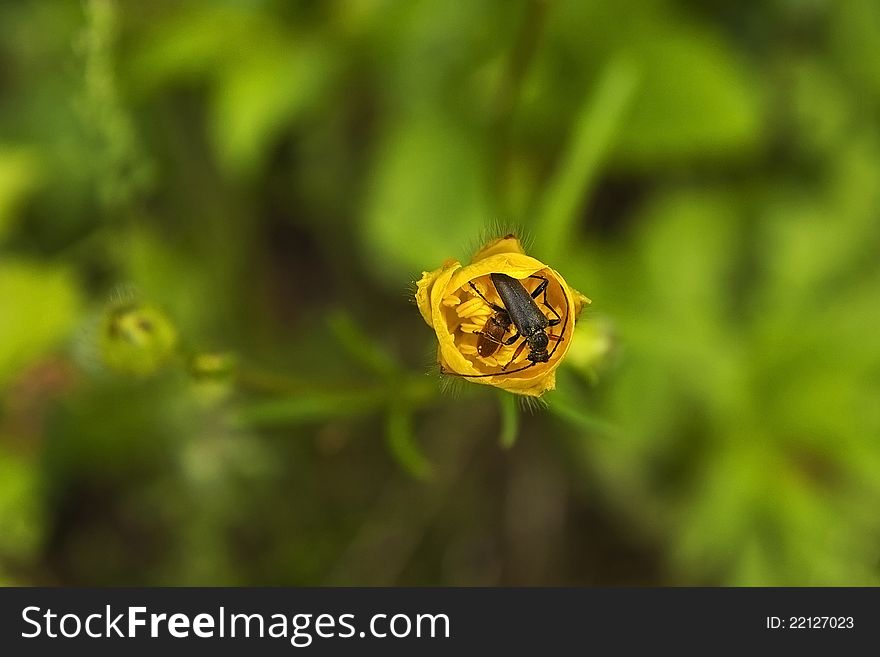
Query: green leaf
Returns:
{"type": "Point", "coordinates": [596, 126]}
{"type": "Point", "coordinates": [854, 30]}
{"type": "Point", "coordinates": [696, 101]}
{"type": "Point", "coordinates": [698, 98]}
{"type": "Point", "coordinates": [427, 199]}
{"type": "Point", "coordinates": [686, 281]}
{"type": "Point", "coordinates": [192, 43]}
{"type": "Point", "coordinates": [18, 176]}
{"type": "Point", "coordinates": [360, 345]}
{"type": "Point", "coordinates": [260, 95]}
{"type": "Point", "coordinates": [20, 508]}
{"type": "Point", "coordinates": [38, 307]}
{"type": "Point", "coordinates": [577, 416]}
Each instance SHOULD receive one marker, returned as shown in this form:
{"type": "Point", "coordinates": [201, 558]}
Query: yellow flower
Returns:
{"type": "Point", "coordinates": [458, 315]}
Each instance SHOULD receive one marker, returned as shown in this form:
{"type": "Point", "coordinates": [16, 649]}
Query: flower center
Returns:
{"type": "Point", "coordinates": [481, 332]}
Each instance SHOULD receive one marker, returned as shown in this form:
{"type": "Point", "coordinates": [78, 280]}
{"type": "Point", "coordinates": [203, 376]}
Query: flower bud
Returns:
{"type": "Point", "coordinates": [463, 320]}
{"type": "Point", "coordinates": [136, 338]}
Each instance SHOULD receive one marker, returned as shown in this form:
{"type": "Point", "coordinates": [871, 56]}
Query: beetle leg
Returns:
{"type": "Point", "coordinates": [490, 337]}
{"type": "Point", "coordinates": [511, 340]}
{"type": "Point", "coordinates": [496, 308]}
{"type": "Point", "coordinates": [515, 354]}
{"type": "Point", "coordinates": [542, 287]}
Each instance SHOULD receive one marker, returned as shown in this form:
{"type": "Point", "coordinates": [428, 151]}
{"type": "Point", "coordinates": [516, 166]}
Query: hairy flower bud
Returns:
{"type": "Point", "coordinates": [459, 317]}
{"type": "Point", "coordinates": [136, 338]}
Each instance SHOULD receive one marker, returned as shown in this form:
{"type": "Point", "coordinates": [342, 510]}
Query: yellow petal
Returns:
{"type": "Point", "coordinates": [426, 284]}
{"type": "Point", "coordinates": [517, 265]}
{"type": "Point", "coordinates": [506, 244]}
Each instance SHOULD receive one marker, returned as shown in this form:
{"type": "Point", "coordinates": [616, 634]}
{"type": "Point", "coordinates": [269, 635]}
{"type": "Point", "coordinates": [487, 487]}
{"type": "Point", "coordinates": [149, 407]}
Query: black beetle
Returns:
{"type": "Point", "coordinates": [523, 313]}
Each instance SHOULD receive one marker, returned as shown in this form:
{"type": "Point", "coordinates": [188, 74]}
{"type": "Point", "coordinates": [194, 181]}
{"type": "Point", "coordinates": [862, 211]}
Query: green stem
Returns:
{"type": "Point", "coordinates": [584, 420]}
{"type": "Point", "coordinates": [259, 380]}
{"type": "Point", "coordinates": [307, 404]}
{"type": "Point", "coordinates": [521, 56]}
{"type": "Point", "coordinates": [403, 444]}
{"type": "Point", "coordinates": [596, 124]}
{"type": "Point", "coordinates": [509, 419]}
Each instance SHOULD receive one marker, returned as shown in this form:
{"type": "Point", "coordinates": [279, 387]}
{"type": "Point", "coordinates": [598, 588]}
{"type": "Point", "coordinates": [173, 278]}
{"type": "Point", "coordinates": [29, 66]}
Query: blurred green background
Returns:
{"type": "Point", "coordinates": [211, 215]}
